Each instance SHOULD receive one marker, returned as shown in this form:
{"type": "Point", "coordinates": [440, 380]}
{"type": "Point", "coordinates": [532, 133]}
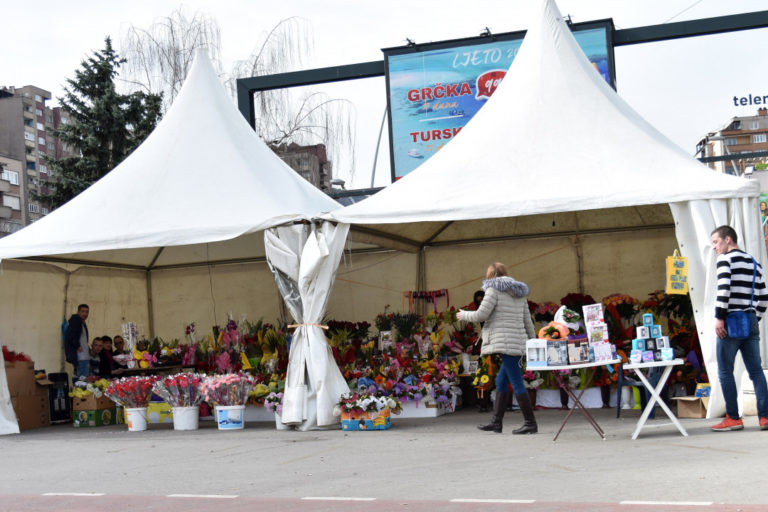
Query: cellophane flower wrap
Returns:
{"type": "Point", "coordinates": [274, 402]}
{"type": "Point", "coordinates": [227, 389]}
{"type": "Point", "coordinates": [131, 392]}
{"type": "Point", "coordinates": [180, 390]}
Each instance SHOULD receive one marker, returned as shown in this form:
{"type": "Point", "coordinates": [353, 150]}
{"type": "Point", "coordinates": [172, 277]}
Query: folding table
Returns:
{"type": "Point", "coordinates": [655, 392]}
{"type": "Point", "coordinates": [576, 398]}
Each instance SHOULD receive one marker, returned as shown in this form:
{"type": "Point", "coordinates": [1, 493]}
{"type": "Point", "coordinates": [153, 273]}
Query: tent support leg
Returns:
{"type": "Point", "coordinates": [421, 274]}
{"type": "Point", "coordinates": [579, 262]}
{"type": "Point", "coordinates": [62, 366]}
{"type": "Point", "coordinates": [150, 306]}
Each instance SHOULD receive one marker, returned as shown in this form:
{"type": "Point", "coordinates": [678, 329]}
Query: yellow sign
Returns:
{"type": "Point", "coordinates": [677, 274]}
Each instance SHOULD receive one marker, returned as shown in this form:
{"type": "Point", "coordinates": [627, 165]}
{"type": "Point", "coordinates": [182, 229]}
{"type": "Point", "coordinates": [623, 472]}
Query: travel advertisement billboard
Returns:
{"type": "Point", "coordinates": [434, 89]}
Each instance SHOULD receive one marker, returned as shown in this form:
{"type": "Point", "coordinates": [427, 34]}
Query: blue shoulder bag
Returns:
{"type": "Point", "coordinates": [737, 322]}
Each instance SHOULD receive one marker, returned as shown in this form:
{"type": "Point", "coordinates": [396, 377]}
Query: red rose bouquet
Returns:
{"type": "Point", "coordinates": [131, 392]}
{"type": "Point", "coordinates": [180, 390]}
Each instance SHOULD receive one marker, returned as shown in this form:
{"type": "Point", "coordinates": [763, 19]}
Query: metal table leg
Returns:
{"type": "Point", "coordinates": [577, 404]}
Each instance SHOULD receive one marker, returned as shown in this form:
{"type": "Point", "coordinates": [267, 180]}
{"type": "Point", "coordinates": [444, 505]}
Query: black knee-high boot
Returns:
{"type": "Point", "coordinates": [499, 406]}
{"type": "Point", "coordinates": [530, 426]}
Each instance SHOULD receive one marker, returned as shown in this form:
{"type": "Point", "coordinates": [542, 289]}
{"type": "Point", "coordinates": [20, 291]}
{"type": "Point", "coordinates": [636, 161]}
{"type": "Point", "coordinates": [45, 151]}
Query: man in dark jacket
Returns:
{"type": "Point", "coordinates": [76, 342]}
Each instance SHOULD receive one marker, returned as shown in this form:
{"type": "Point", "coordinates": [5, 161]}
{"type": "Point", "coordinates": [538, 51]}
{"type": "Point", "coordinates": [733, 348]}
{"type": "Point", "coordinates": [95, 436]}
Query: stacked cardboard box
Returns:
{"type": "Point", "coordinates": [93, 412]}
{"type": "Point", "coordinates": [29, 396]}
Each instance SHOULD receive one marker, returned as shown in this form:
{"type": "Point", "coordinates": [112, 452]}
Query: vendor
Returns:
{"type": "Point", "coordinates": [97, 347]}
{"type": "Point", "coordinates": [119, 345]}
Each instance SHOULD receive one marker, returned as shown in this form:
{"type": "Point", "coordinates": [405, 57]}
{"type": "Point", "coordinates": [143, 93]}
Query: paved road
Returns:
{"type": "Point", "coordinates": [419, 464]}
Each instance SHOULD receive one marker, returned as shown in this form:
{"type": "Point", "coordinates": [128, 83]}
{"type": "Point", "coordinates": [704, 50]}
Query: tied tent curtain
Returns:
{"type": "Point", "coordinates": [304, 258]}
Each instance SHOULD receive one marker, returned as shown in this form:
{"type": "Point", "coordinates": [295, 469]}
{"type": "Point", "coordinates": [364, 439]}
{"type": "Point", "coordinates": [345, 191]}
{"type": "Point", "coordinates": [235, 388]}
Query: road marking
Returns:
{"type": "Point", "coordinates": [678, 503]}
{"type": "Point", "coordinates": [73, 494]}
{"type": "Point", "coordinates": [223, 496]}
{"type": "Point", "coordinates": [336, 498]}
{"type": "Point", "coordinates": [473, 500]}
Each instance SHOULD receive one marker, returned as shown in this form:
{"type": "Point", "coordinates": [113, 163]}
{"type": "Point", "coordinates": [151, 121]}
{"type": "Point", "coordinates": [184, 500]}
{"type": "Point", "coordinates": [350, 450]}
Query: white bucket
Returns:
{"type": "Point", "coordinates": [136, 418]}
{"type": "Point", "coordinates": [230, 417]}
{"type": "Point", "coordinates": [185, 418]}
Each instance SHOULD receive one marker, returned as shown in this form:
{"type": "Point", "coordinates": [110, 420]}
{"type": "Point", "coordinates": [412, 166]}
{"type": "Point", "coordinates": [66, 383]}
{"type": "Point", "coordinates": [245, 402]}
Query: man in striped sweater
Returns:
{"type": "Point", "coordinates": [734, 293]}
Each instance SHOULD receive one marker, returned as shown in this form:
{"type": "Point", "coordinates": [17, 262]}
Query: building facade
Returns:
{"type": "Point", "coordinates": [26, 138]}
{"type": "Point", "coordinates": [310, 162]}
{"type": "Point", "coordinates": [740, 136]}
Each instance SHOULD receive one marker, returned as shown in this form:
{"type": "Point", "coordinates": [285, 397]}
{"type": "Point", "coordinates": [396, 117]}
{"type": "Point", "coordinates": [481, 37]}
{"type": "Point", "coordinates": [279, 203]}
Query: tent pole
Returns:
{"type": "Point", "coordinates": [579, 262]}
{"type": "Point", "coordinates": [150, 306]}
{"type": "Point", "coordinates": [62, 366]}
{"type": "Point", "coordinates": [421, 284]}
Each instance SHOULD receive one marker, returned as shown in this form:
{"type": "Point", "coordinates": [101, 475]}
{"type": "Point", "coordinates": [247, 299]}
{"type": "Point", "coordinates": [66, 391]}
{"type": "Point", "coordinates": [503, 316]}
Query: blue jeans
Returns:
{"type": "Point", "coordinates": [510, 373]}
{"type": "Point", "coordinates": [83, 368]}
{"type": "Point", "coordinates": [750, 353]}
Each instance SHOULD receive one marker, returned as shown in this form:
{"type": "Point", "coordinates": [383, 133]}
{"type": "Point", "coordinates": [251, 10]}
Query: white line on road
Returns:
{"type": "Point", "coordinates": [673, 503]}
{"type": "Point", "coordinates": [336, 498]}
{"type": "Point", "coordinates": [224, 496]}
{"type": "Point", "coordinates": [73, 494]}
{"type": "Point", "coordinates": [473, 500]}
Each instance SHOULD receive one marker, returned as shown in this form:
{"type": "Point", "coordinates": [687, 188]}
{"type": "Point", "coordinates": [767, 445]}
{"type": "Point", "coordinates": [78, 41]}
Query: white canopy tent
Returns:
{"type": "Point", "coordinates": [556, 144]}
{"type": "Point", "coordinates": [200, 190]}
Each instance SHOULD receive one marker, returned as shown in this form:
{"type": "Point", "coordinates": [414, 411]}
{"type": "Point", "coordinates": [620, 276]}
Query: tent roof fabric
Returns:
{"type": "Point", "coordinates": [554, 137]}
{"type": "Point", "coordinates": [203, 175]}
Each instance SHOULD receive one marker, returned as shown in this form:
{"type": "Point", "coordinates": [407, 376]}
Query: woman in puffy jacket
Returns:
{"type": "Point", "coordinates": [508, 326]}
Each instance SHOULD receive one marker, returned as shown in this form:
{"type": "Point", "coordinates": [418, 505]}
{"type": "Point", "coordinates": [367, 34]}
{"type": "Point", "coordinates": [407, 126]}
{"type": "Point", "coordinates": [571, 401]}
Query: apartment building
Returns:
{"type": "Point", "coordinates": [26, 125]}
{"type": "Point", "coordinates": [742, 135]}
{"type": "Point", "coordinates": [310, 162]}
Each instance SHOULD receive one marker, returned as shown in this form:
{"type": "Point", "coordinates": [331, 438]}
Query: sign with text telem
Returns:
{"type": "Point", "coordinates": [434, 89]}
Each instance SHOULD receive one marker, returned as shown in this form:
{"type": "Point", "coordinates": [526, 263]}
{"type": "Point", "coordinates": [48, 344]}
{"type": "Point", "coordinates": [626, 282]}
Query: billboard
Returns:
{"type": "Point", "coordinates": [434, 89]}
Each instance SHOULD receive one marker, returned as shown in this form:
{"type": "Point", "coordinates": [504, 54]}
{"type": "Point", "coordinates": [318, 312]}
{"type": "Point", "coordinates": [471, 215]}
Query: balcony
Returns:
{"type": "Point", "coordinates": [5, 212]}
{"type": "Point", "coordinates": [5, 186]}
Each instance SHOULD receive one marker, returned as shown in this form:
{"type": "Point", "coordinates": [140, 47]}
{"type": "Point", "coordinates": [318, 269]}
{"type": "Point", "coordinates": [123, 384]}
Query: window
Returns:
{"type": "Point", "coordinates": [41, 154]}
{"type": "Point", "coordinates": [41, 126]}
{"type": "Point", "coordinates": [31, 180]}
{"type": "Point", "coordinates": [29, 136]}
{"type": "Point", "coordinates": [13, 201]}
{"type": "Point", "coordinates": [28, 122]}
{"type": "Point", "coordinates": [731, 141]}
{"type": "Point", "coordinates": [48, 118]}
{"type": "Point", "coordinates": [38, 112]}
{"type": "Point", "coordinates": [64, 120]}
{"type": "Point", "coordinates": [38, 98]}
{"type": "Point", "coordinates": [33, 208]}
{"type": "Point", "coordinates": [31, 166]}
{"type": "Point", "coordinates": [41, 141]}
{"type": "Point", "coordinates": [44, 210]}
{"type": "Point", "coordinates": [759, 137]}
{"type": "Point", "coordinates": [43, 168]}
{"type": "Point", "coordinates": [51, 146]}
{"type": "Point", "coordinates": [10, 176]}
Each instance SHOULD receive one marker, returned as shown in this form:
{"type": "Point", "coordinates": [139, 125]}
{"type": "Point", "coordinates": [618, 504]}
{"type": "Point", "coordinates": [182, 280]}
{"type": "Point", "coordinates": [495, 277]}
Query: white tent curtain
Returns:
{"type": "Point", "coordinates": [694, 222]}
{"type": "Point", "coordinates": [304, 259]}
{"type": "Point", "coordinates": [8, 423]}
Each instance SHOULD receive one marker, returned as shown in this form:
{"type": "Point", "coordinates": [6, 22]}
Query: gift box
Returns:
{"type": "Point", "coordinates": [648, 356]}
{"type": "Point", "coordinates": [638, 344]}
{"type": "Point", "coordinates": [366, 420]}
{"type": "Point", "coordinates": [654, 331]}
{"type": "Point", "coordinates": [536, 353]}
{"type": "Point", "coordinates": [95, 418]}
{"type": "Point", "coordinates": [662, 342]}
{"type": "Point", "coordinates": [557, 353]}
{"type": "Point", "coordinates": [702, 390]}
{"type": "Point", "coordinates": [647, 319]}
{"type": "Point", "coordinates": [636, 356]}
{"type": "Point", "coordinates": [667, 354]}
{"type": "Point", "coordinates": [643, 332]}
{"type": "Point", "coordinates": [578, 351]}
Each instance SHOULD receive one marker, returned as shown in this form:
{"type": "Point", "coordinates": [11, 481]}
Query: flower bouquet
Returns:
{"type": "Point", "coordinates": [131, 392]}
{"type": "Point", "coordinates": [180, 390]}
{"type": "Point", "coordinates": [274, 402]}
{"type": "Point", "coordinates": [227, 389]}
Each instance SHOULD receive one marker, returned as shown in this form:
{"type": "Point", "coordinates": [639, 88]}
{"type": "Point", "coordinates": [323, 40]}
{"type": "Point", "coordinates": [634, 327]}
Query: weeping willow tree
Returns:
{"type": "Point", "coordinates": [159, 58]}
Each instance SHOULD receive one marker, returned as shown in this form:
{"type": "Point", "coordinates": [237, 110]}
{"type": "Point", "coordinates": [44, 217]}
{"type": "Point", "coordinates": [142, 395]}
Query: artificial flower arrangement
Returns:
{"type": "Point", "coordinates": [10, 356]}
{"type": "Point", "coordinates": [89, 387]}
{"type": "Point", "coordinates": [227, 389]}
{"type": "Point", "coordinates": [554, 331]}
{"type": "Point", "coordinates": [131, 392]}
{"type": "Point", "coordinates": [532, 380]}
{"type": "Point", "coordinates": [274, 402]}
{"type": "Point", "coordinates": [484, 376]}
{"type": "Point", "coordinates": [355, 403]}
{"type": "Point", "coordinates": [180, 390]}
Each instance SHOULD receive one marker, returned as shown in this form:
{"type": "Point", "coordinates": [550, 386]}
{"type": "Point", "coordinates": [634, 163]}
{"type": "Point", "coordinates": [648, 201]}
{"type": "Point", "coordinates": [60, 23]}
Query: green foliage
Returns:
{"type": "Point", "coordinates": [104, 126]}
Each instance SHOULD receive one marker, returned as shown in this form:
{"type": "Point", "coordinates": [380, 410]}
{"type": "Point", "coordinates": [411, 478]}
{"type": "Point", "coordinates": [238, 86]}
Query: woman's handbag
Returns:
{"type": "Point", "coordinates": [737, 322]}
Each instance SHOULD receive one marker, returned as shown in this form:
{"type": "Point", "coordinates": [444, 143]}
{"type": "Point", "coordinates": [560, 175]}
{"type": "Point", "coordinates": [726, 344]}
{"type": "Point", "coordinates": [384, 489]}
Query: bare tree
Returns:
{"type": "Point", "coordinates": [159, 58]}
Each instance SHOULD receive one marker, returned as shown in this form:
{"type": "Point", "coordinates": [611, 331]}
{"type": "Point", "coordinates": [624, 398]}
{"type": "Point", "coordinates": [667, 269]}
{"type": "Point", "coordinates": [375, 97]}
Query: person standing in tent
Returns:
{"type": "Point", "coordinates": [76, 349]}
{"type": "Point", "coordinates": [507, 327]}
{"type": "Point", "coordinates": [740, 287]}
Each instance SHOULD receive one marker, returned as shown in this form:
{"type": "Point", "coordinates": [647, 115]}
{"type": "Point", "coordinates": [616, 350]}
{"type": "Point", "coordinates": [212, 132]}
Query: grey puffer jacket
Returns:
{"type": "Point", "coordinates": [507, 319]}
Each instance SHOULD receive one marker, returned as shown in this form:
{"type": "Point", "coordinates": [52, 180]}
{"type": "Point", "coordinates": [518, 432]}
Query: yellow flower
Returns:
{"type": "Point", "coordinates": [474, 382]}
{"type": "Point", "coordinates": [484, 379]}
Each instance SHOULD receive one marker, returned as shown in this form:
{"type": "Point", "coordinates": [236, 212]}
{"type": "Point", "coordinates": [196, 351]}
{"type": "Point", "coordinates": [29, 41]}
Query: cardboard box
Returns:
{"type": "Point", "coordinates": [691, 406]}
{"type": "Point", "coordinates": [21, 377]}
{"type": "Point", "coordinates": [91, 403]}
{"type": "Point", "coordinates": [31, 410]}
{"type": "Point", "coordinates": [366, 420]}
{"type": "Point", "coordinates": [159, 412]}
{"type": "Point", "coordinates": [95, 418]}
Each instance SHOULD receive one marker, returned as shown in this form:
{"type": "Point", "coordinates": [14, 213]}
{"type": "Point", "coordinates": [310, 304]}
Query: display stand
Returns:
{"type": "Point", "coordinates": [655, 393]}
{"type": "Point", "coordinates": [576, 398]}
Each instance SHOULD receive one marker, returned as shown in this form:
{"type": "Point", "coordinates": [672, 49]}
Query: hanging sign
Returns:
{"type": "Point", "coordinates": [677, 275]}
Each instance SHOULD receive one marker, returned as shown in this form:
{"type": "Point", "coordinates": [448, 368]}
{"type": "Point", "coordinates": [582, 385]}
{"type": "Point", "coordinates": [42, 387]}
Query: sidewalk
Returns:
{"type": "Point", "coordinates": [438, 458]}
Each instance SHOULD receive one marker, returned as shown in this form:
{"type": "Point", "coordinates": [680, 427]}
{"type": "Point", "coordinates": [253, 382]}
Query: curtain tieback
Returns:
{"type": "Point", "coordinates": [293, 326]}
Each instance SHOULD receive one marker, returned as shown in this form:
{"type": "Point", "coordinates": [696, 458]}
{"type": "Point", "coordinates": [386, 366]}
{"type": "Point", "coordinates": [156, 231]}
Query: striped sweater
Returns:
{"type": "Point", "coordinates": [734, 285]}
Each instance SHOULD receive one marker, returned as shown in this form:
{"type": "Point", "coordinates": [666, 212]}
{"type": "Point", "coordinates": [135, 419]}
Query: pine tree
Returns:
{"type": "Point", "coordinates": [104, 125]}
